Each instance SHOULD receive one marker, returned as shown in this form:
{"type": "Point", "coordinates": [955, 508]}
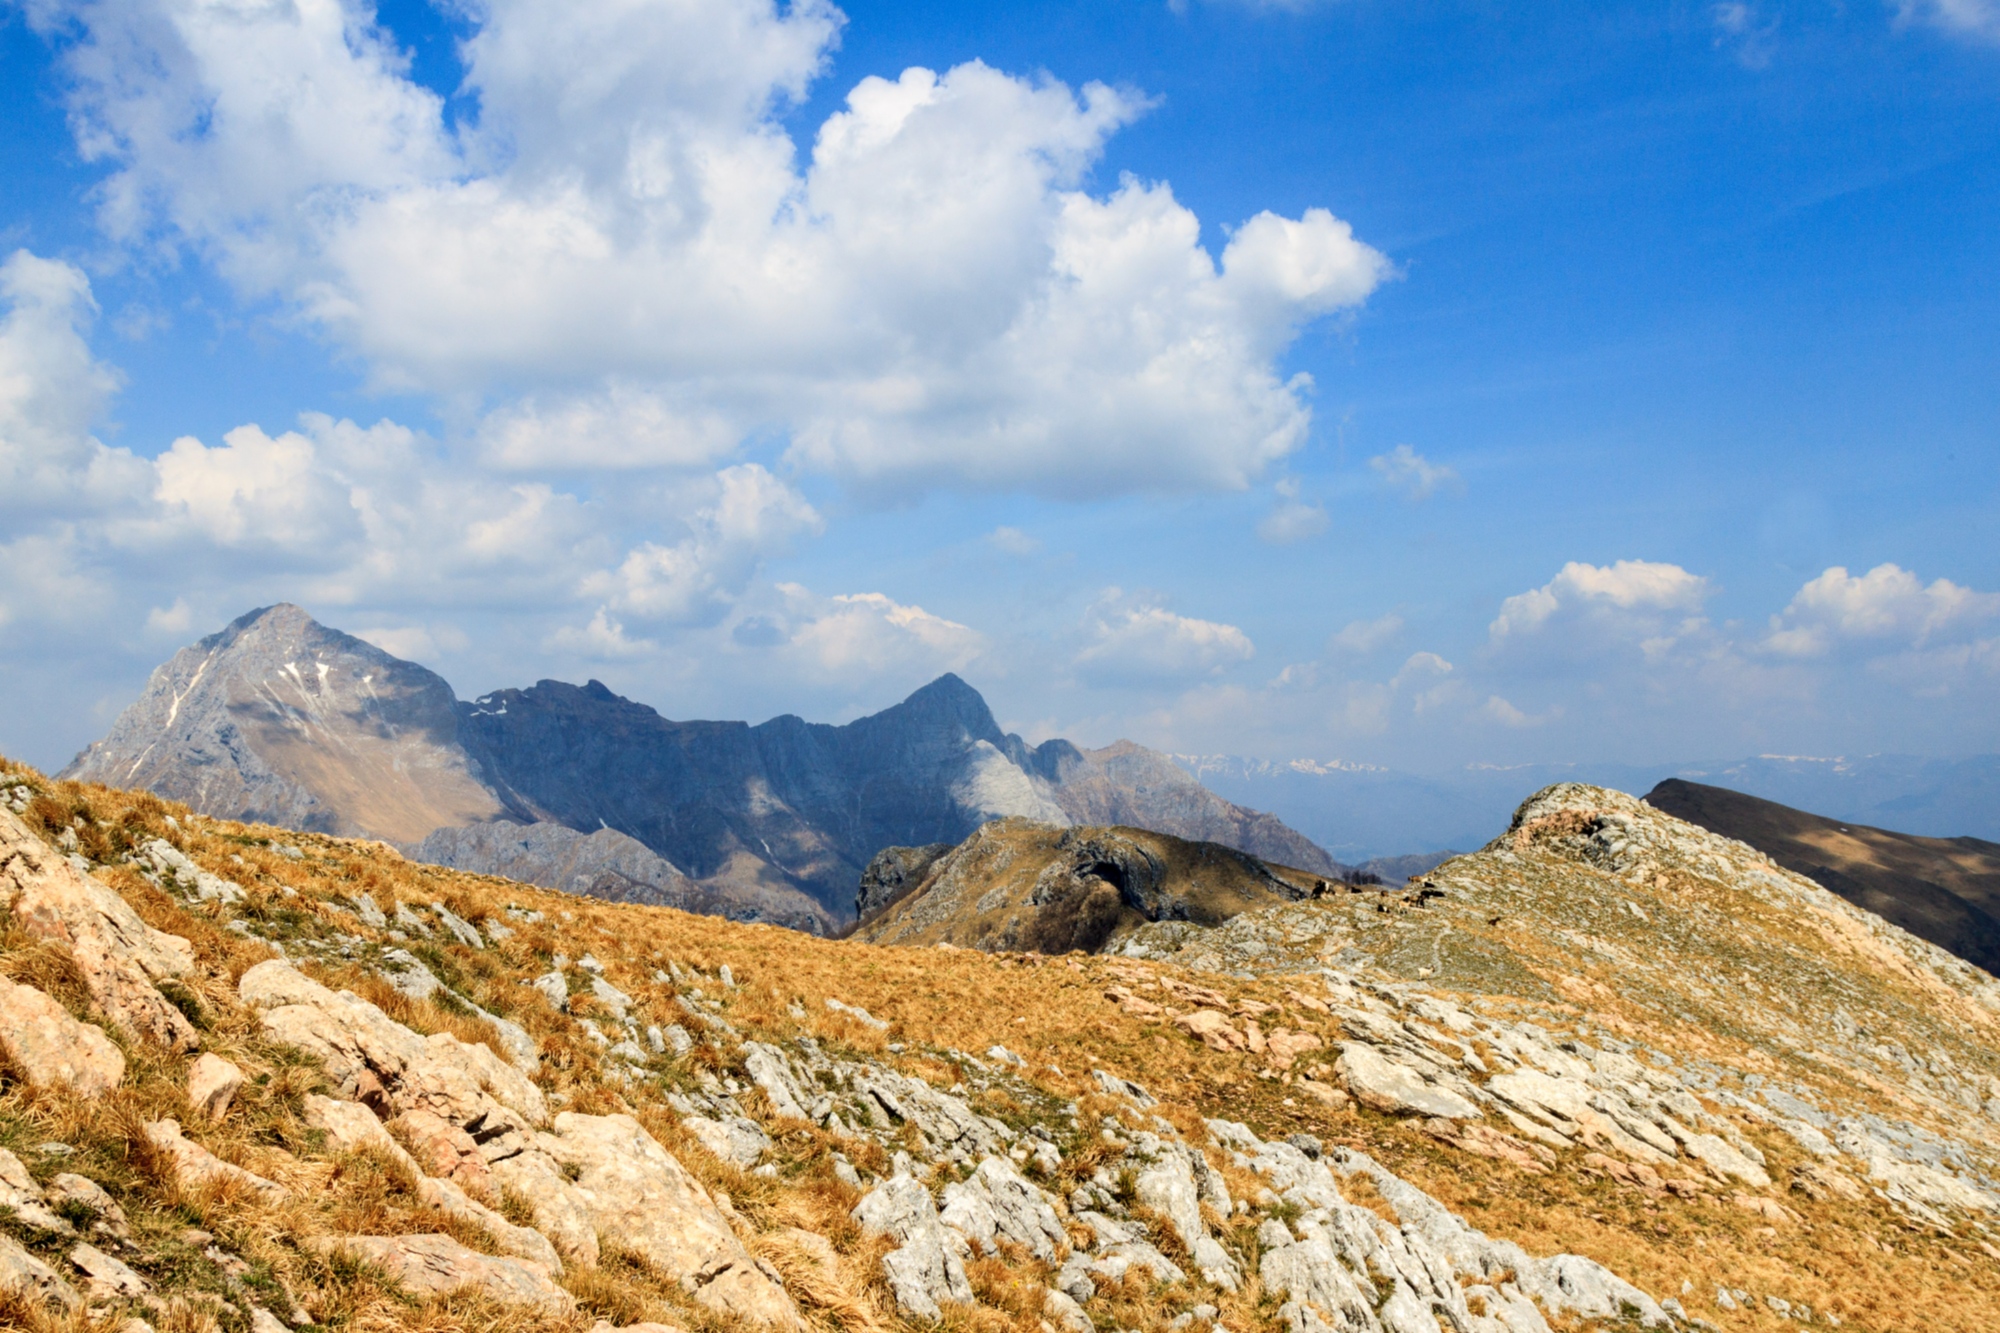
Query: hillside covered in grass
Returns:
{"type": "Point", "coordinates": [1609, 1072]}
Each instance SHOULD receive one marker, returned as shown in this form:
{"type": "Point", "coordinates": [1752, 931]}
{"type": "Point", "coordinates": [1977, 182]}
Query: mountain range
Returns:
{"type": "Point", "coordinates": [281, 720]}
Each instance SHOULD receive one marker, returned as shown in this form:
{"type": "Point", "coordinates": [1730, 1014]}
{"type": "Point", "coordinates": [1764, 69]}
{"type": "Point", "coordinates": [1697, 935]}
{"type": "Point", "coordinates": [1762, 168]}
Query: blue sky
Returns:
{"type": "Point", "coordinates": [1421, 384]}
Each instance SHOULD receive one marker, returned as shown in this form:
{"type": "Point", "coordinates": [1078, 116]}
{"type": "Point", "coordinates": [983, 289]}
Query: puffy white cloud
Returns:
{"type": "Point", "coordinates": [52, 391]}
{"type": "Point", "coordinates": [617, 428]}
{"type": "Point", "coordinates": [622, 234]}
{"type": "Point", "coordinates": [1134, 640]}
{"type": "Point", "coordinates": [869, 635]}
{"type": "Point", "coordinates": [1408, 471]}
{"type": "Point", "coordinates": [695, 581]}
{"type": "Point", "coordinates": [254, 489]}
{"type": "Point", "coordinates": [1639, 586]}
{"type": "Point", "coordinates": [1888, 607]}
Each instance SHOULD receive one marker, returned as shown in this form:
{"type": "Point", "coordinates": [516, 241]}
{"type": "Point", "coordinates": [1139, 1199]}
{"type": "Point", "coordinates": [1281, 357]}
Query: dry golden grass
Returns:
{"type": "Point", "coordinates": [1052, 1011]}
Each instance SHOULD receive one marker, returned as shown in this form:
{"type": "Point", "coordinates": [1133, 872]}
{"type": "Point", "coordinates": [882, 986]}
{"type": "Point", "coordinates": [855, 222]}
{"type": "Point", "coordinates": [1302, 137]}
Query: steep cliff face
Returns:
{"type": "Point", "coordinates": [811, 801]}
{"type": "Point", "coordinates": [279, 719]}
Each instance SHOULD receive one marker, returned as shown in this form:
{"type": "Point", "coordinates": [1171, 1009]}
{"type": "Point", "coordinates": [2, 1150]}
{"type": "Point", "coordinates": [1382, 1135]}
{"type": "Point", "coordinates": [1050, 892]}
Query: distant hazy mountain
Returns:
{"type": "Point", "coordinates": [1945, 890]}
{"type": "Point", "coordinates": [1359, 811]}
{"type": "Point", "coordinates": [282, 720]}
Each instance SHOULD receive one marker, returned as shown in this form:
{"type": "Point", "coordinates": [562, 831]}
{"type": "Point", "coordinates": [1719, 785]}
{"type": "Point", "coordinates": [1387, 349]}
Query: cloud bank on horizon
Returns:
{"type": "Point", "coordinates": [670, 347]}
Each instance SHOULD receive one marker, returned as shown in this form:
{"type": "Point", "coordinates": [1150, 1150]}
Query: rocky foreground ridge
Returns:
{"type": "Point", "coordinates": [256, 1078]}
{"type": "Point", "coordinates": [279, 719]}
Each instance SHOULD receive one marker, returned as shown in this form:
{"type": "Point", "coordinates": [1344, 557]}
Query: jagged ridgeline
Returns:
{"type": "Point", "coordinates": [1611, 1071]}
{"type": "Point", "coordinates": [279, 719]}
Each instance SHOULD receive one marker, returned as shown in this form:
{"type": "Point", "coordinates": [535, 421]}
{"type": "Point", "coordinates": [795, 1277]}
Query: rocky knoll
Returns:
{"type": "Point", "coordinates": [415, 1099]}
{"type": "Point", "coordinates": [1945, 890]}
{"type": "Point", "coordinates": [280, 719]}
{"type": "Point", "coordinates": [1017, 884]}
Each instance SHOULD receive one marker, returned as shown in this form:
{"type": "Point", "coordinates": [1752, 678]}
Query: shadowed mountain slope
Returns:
{"type": "Point", "coordinates": [280, 719]}
{"type": "Point", "coordinates": [1945, 890]}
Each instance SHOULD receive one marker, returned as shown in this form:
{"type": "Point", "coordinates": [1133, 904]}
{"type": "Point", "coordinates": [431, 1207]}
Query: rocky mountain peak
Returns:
{"type": "Point", "coordinates": [279, 718]}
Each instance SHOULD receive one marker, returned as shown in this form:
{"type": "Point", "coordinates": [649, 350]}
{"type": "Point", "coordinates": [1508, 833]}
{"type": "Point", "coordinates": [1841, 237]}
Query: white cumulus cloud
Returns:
{"type": "Point", "coordinates": [696, 580]}
{"type": "Point", "coordinates": [1134, 640]}
{"type": "Point", "coordinates": [1643, 586]}
{"type": "Point", "coordinates": [1888, 607]}
{"type": "Point", "coordinates": [625, 249]}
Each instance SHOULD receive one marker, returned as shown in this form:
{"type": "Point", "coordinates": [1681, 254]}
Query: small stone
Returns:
{"type": "Point", "coordinates": [109, 1278]}
{"type": "Point", "coordinates": [68, 1187]}
{"type": "Point", "coordinates": [213, 1083]}
{"type": "Point", "coordinates": [554, 987]}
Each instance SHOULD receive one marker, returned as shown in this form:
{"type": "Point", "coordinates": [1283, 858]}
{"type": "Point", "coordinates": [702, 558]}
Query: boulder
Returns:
{"type": "Point", "coordinates": [924, 1270]}
{"type": "Point", "coordinates": [374, 1059]}
{"type": "Point", "coordinates": [1061, 1309]}
{"type": "Point", "coordinates": [352, 1127]}
{"type": "Point", "coordinates": [74, 1189]}
{"type": "Point", "coordinates": [516, 1242]}
{"type": "Point", "coordinates": [1310, 1271]}
{"type": "Point", "coordinates": [196, 1168]}
{"type": "Point", "coordinates": [1167, 1186]}
{"type": "Point", "coordinates": [739, 1139]}
{"type": "Point", "coordinates": [52, 1049]}
{"type": "Point", "coordinates": [212, 1085]}
{"type": "Point", "coordinates": [627, 1185]}
{"type": "Point", "coordinates": [1717, 1154]}
{"type": "Point", "coordinates": [1211, 1029]}
{"type": "Point", "coordinates": [770, 1070]}
{"type": "Point", "coordinates": [1572, 1283]}
{"type": "Point", "coordinates": [1285, 1046]}
{"type": "Point", "coordinates": [118, 956]}
{"type": "Point", "coordinates": [436, 1265]}
{"type": "Point", "coordinates": [23, 1275]}
{"type": "Point", "coordinates": [1396, 1089]}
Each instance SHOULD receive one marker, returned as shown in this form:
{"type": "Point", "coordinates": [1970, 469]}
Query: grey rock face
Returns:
{"type": "Point", "coordinates": [280, 720]}
{"type": "Point", "coordinates": [894, 872]}
{"type": "Point", "coordinates": [924, 1269]}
